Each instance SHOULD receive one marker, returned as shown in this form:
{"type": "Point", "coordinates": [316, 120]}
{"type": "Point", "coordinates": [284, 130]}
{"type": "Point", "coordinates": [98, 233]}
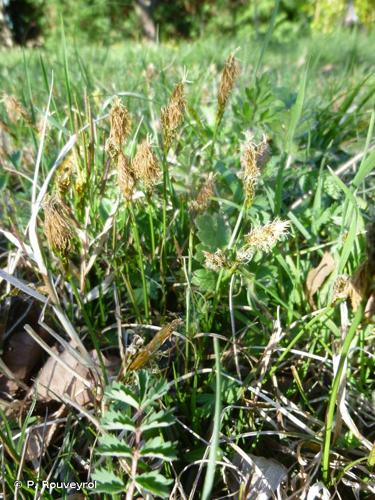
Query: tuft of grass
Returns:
{"type": "Point", "coordinates": [171, 262]}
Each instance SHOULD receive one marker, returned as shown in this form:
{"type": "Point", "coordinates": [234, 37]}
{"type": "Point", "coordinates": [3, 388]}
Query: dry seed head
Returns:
{"type": "Point", "coordinates": [64, 175]}
{"type": "Point", "coordinates": [173, 115]}
{"type": "Point", "coordinates": [253, 156]}
{"type": "Point", "coordinates": [120, 120]}
{"type": "Point", "coordinates": [58, 225]}
{"type": "Point", "coordinates": [215, 261]}
{"type": "Point", "coordinates": [14, 108]}
{"type": "Point", "coordinates": [145, 164]}
{"type": "Point", "coordinates": [200, 204]}
{"type": "Point", "coordinates": [228, 78]}
{"type": "Point", "coordinates": [244, 255]}
{"type": "Point", "coordinates": [265, 237]}
{"type": "Point", "coordinates": [126, 179]}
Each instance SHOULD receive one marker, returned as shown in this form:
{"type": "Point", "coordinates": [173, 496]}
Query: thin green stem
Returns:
{"type": "Point", "coordinates": [221, 274]}
{"type": "Point", "coordinates": [138, 248]}
{"type": "Point", "coordinates": [214, 445]}
{"type": "Point", "coordinates": [152, 229]}
{"type": "Point", "coordinates": [334, 392]}
{"type": "Point", "coordinates": [163, 260]}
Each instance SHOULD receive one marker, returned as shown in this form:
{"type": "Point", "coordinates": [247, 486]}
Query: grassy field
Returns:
{"type": "Point", "coordinates": [187, 273]}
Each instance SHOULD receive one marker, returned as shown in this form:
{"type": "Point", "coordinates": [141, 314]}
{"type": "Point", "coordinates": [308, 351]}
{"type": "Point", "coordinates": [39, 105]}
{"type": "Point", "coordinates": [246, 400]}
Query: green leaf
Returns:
{"type": "Point", "coordinates": [212, 231]}
{"type": "Point", "coordinates": [205, 279]}
{"type": "Point", "coordinates": [155, 483]}
{"type": "Point", "coordinates": [156, 420]}
{"type": "Point", "coordinates": [116, 420]}
{"type": "Point", "coordinates": [155, 393]}
{"type": "Point", "coordinates": [121, 393]}
{"type": "Point", "coordinates": [296, 111]}
{"type": "Point", "coordinates": [113, 447]}
{"type": "Point", "coordinates": [157, 448]}
{"type": "Point", "coordinates": [107, 482]}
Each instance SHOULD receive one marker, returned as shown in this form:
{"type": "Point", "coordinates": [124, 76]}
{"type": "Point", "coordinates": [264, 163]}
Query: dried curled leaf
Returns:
{"type": "Point", "coordinates": [56, 380]}
{"type": "Point", "coordinates": [317, 277]}
{"type": "Point", "coordinates": [146, 352]}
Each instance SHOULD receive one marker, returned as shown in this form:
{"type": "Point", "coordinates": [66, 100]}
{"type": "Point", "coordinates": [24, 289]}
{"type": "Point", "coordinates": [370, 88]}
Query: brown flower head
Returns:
{"type": "Point", "coordinates": [215, 261]}
{"type": "Point", "coordinates": [253, 157]}
{"type": "Point", "coordinates": [145, 164]}
{"type": "Point", "coordinates": [126, 179]}
{"type": "Point", "coordinates": [173, 115]}
{"type": "Point", "coordinates": [14, 109]}
{"type": "Point", "coordinates": [64, 174]}
{"type": "Point", "coordinates": [120, 120]}
{"type": "Point", "coordinates": [58, 225]}
{"type": "Point", "coordinates": [265, 237]}
{"type": "Point", "coordinates": [200, 204]}
{"type": "Point", "coordinates": [228, 78]}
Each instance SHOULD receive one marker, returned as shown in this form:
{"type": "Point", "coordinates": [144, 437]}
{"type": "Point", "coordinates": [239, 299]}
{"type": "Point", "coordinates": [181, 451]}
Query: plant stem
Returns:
{"type": "Point", "coordinates": [134, 466]}
{"type": "Point", "coordinates": [138, 247]}
{"type": "Point", "coordinates": [188, 297]}
{"type": "Point", "coordinates": [221, 274]}
{"type": "Point", "coordinates": [152, 230]}
{"type": "Point", "coordinates": [163, 260]}
{"type": "Point", "coordinates": [335, 388]}
{"type": "Point", "coordinates": [214, 445]}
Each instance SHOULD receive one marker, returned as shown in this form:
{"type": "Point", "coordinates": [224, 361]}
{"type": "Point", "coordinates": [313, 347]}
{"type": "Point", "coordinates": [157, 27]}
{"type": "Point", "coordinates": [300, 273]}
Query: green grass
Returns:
{"type": "Point", "coordinates": [254, 371]}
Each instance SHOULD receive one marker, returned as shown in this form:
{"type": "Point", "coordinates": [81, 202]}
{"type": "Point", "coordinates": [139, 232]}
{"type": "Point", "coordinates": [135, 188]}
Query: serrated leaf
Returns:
{"type": "Point", "coordinates": [155, 393]}
{"type": "Point", "coordinates": [116, 420]}
{"type": "Point", "coordinates": [107, 482]}
{"type": "Point", "coordinates": [212, 231]}
{"type": "Point", "coordinates": [120, 392]}
{"type": "Point", "coordinates": [156, 420]}
{"type": "Point", "coordinates": [157, 448]}
{"type": "Point", "coordinates": [155, 483]}
{"type": "Point", "coordinates": [112, 446]}
{"type": "Point", "coordinates": [205, 279]}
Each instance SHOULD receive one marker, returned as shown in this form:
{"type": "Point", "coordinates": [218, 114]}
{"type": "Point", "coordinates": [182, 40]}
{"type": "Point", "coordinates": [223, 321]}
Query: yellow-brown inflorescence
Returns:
{"type": "Point", "coordinates": [227, 81]}
{"type": "Point", "coordinates": [125, 174]}
{"type": "Point", "coordinates": [262, 238]}
{"type": "Point", "coordinates": [58, 225]}
{"type": "Point", "coordinates": [145, 164]}
{"type": "Point", "coordinates": [64, 174]}
{"type": "Point", "coordinates": [14, 109]}
{"type": "Point", "coordinates": [200, 204]}
{"type": "Point", "coordinates": [172, 115]}
{"type": "Point", "coordinates": [120, 120]}
{"type": "Point", "coordinates": [253, 157]}
{"type": "Point", "coordinates": [215, 261]}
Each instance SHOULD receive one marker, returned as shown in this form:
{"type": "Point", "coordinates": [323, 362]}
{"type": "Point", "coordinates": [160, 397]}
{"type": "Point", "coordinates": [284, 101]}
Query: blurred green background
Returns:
{"type": "Point", "coordinates": [38, 22]}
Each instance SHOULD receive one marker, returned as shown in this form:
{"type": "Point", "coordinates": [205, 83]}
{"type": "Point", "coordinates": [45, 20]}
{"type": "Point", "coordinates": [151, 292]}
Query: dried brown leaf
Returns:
{"type": "Point", "coordinates": [56, 380]}
{"type": "Point", "coordinates": [318, 275]}
{"type": "Point", "coordinates": [21, 353]}
{"type": "Point", "coordinates": [145, 354]}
